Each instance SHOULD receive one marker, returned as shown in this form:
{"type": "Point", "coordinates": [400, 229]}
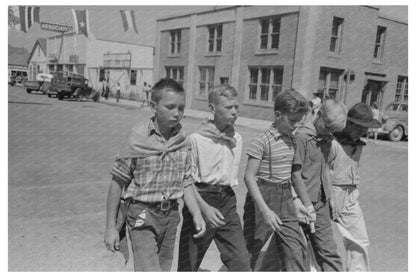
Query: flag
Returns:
{"type": "Point", "coordinates": [81, 22]}
{"type": "Point", "coordinates": [28, 15]}
{"type": "Point", "coordinates": [129, 20]}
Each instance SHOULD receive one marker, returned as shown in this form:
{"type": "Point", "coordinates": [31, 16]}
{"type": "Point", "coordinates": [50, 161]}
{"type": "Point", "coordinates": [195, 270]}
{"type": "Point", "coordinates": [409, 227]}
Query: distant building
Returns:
{"type": "Point", "coordinates": [17, 62]}
{"type": "Point", "coordinates": [37, 62]}
{"type": "Point", "coordinates": [350, 53]}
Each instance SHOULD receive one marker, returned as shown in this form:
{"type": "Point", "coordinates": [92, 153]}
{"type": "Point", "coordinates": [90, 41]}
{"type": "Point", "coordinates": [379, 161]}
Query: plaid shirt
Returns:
{"type": "Point", "coordinates": [153, 178]}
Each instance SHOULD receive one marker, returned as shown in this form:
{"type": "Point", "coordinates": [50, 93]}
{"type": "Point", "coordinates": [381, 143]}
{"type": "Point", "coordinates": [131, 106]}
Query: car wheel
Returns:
{"type": "Point", "coordinates": [60, 96]}
{"type": "Point", "coordinates": [28, 90]}
{"type": "Point", "coordinates": [396, 134]}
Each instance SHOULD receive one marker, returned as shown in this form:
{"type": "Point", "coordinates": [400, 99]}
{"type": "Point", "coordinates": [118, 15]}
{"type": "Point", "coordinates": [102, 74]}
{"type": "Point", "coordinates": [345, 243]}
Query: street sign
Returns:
{"type": "Point", "coordinates": [55, 27]}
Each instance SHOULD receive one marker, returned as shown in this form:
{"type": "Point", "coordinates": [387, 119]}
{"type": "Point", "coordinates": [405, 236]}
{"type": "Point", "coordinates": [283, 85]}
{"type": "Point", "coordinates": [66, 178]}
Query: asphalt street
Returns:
{"type": "Point", "coordinates": [60, 156]}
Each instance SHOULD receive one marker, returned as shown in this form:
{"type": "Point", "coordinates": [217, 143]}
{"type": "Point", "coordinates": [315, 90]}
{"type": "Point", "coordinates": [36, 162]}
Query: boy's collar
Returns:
{"type": "Point", "coordinates": [152, 128]}
{"type": "Point", "coordinates": [275, 132]}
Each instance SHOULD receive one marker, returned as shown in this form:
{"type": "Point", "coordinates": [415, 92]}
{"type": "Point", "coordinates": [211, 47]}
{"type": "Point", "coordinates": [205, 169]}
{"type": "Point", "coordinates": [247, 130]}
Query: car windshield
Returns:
{"type": "Point", "coordinates": [392, 107]}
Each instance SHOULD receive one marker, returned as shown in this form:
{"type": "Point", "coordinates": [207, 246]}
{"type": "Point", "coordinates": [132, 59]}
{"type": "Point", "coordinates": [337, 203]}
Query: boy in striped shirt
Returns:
{"type": "Point", "coordinates": [269, 208]}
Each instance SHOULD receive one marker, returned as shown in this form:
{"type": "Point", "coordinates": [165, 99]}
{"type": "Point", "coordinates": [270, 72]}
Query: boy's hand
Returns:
{"type": "Point", "coordinates": [112, 239]}
{"type": "Point", "coordinates": [333, 208]}
{"type": "Point", "coordinates": [301, 211]}
{"type": "Point", "coordinates": [200, 226]}
{"type": "Point", "coordinates": [311, 218]}
{"type": "Point", "coordinates": [272, 220]}
{"type": "Point", "coordinates": [213, 216]}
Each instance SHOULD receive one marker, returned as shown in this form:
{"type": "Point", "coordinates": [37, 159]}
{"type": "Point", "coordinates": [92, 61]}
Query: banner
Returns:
{"type": "Point", "coordinates": [55, 27]}
{"type": "Point", "coordinates": [81, 22]}
{"type": "Point", "coordinates": [28, 15]}
{"type": "Point", "coordinates": [129, 20]}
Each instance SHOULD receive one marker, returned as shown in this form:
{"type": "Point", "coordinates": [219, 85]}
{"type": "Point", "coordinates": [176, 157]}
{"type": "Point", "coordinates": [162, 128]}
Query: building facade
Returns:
{"type": "Point", "coordinates": [350, 53]}
{"type": "Point", "coordinates": [37, 62]}
{"type": "Point", "coordinates": [100, 60]}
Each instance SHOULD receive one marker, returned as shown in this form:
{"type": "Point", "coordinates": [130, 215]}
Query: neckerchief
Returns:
{"type": "Point", "coordinates": [344, 139]}
{"type": "Point", "coordinates": [209, 130]}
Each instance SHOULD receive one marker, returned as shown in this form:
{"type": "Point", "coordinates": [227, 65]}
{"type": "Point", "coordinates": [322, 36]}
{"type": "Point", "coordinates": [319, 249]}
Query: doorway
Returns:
{"type": "Point", "coordinates": [373, 92]}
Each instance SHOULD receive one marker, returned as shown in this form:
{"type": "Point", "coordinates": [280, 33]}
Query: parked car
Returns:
{"type": "Point", "coordinates": [396, 125]}
{"type": "Point", "coordinates": [42, 83]}
{"type": "Point", "coordinates": [71, 86]}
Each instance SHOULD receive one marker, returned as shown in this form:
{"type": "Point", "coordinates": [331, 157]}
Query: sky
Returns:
{"type": "Point", "coordinates": [145, 19]}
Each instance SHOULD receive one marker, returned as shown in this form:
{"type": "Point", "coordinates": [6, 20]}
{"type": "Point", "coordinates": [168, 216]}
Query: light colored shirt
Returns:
{"type": "Point", "coordinates": [215, 163]}
{"type": "Point", "coordinates": [280, 152]}
{"type": "Point", "coordinates": [344, 162]}
{"type": "Point", "coordinates": [155, 178]}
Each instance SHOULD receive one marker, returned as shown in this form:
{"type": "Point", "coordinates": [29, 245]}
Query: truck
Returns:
{"type": "Point", "coordinates": [71, 86]}
{"type": "Point", "coordinates": [41, 83]}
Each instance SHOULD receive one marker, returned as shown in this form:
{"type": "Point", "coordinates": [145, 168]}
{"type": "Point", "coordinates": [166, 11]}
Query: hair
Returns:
{"type": "Point", "coordinates": [291, 102]}
{"type": "Point", "coordinates": [165, 84]}
{"type": "Point", "coordinates": [334, 114]}
{"type": "Point", "coordinates": [222, 90]}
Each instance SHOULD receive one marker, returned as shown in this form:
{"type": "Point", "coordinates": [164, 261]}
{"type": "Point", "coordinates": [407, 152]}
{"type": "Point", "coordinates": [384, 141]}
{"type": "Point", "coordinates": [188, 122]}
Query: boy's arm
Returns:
{"type": "Point", "coordinates": [111, 237]}
{"type": "Point", "coordinates": [190, 201]}
{"type": "Point", "coordinates": [250, 179]}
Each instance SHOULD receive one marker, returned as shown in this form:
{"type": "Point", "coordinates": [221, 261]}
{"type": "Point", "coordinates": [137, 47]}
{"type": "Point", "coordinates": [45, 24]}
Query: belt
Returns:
{"type": "Point", "coordinates": [212, 188]}
{"type": "Point", "coordinates": [268, 183]}
{"type": "Point", "coordinates": [163, 206]}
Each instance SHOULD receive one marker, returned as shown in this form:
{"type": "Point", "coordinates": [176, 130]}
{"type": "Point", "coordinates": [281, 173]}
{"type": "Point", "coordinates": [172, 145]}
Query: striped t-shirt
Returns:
{"type": "Point", "coordinates": [282, 153]}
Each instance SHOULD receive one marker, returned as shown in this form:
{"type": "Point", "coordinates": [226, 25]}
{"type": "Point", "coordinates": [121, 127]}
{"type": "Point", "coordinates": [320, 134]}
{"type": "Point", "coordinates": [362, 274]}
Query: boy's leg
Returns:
{"type": "Point", "coordinates": [143, 238]}
{"type": "Point", "coordinates": [352, 228]}
{"type": "Point", "coordinates": [230, 238]}
{"type": "Point", "coordinates": [288, 248]}
{"type": "Point", "coordinates": [167, 239]}
{"type": "Point", "coordinates": [191, 250]}
{"type": "Point", "coordinates": [256, 233]}
{"type": "Point", "coordinates": [323, 241]}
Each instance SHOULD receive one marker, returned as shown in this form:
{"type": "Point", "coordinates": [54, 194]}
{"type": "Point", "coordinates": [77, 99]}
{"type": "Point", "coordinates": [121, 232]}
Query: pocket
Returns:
{"type": "Point", "coordinates": [136, 216]}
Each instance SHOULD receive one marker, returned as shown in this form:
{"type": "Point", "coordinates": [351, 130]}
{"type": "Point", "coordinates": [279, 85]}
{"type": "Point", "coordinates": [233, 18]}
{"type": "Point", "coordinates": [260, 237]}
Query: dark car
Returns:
{"type": "Point", "coordinates": [71, 86]}
{"type": "Point", "coordinates": [396, 125]}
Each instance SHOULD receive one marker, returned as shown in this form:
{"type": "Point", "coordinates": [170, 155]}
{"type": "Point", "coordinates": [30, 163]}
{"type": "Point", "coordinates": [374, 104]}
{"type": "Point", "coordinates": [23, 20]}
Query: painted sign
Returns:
{"type": "Point", "coordinates": [117, 60]}
{"type": "Point", "coordinates": [55, 27]}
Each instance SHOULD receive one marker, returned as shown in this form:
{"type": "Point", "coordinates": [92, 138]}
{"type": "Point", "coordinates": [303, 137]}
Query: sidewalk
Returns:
{"type": "Point", "coordinates": [241, 121]}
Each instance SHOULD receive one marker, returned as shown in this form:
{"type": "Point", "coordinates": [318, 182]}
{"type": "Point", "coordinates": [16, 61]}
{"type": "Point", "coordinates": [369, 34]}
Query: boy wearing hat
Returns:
{"type": "Point", "coordinates": [310, 175]}
{"type": "Point", "coordinates": [344, 160]}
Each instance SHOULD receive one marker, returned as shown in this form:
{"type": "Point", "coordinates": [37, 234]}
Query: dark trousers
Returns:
{"type": "Point", "coordinates": [323, 243]}
{"type": "Point", "coordinates": [287, 250]}
{"type": "Point", "coordinates": [228, 238]}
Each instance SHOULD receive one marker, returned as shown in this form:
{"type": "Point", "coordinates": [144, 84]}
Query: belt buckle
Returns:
{"type": "Point", "coordinates": [165, 205]}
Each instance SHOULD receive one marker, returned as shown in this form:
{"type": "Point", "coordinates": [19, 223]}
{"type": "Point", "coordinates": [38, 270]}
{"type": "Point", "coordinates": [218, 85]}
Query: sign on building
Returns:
{"type": "Point", "coordinates": [55, 27]}
{"type": "Point", "coordinates": [117, 60]}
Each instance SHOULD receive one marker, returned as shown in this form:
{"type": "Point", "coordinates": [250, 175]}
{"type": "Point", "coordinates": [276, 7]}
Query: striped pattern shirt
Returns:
{"type": "Point", "coordinates": [155, 178]}
{"type": "Point", "coordinates": [280, 153]}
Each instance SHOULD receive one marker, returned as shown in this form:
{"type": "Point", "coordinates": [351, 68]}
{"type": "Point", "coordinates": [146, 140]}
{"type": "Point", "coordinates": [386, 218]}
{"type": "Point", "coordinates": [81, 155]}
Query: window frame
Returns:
{"type": "Point", "coordinates": [337, 36]}
{"type": "Point", "coordinates": [328, 89]}
{"type": "Point", "coordinates": [402, 89]}
{"type": "Point", "coordinates": [257, 84]}
{"type": "Point", "coordinates": [269, 35]}
{"type": "Point", "coordinates": [379, 45]}
{"type": "Point", "coordinates": [208, 82]}
{"type": "Point", "coordinates": [175, 38]}
{"type": "Point", "coordinates": [215, 40]}
{"type": "Point", "coordinates": [180, 72]}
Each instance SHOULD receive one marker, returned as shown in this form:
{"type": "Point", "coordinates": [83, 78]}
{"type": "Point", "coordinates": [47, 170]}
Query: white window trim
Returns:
{"type": "Point", "coordinates": [268, 49]}
{"type": "Point", "coordinates": [207, 87]}
{"type": "Point", "coordinates": [257, 101]}
{"type": "Point", "coordinates": [214, 49]}
{"type": "Point", "coordinates": [337, 49]}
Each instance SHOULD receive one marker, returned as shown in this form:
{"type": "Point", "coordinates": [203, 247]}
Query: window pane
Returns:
{"type": "Point", "coordinates": [263, 42]}
{"type": "Point", "coordinates": [211, 31]}
{"type": "Point", "coordinates": [181, 73]}
{"type": "Point", "coordinates": [252, 92]}
{"type": "Point", "coordinates": [278, 76]}
{"type": "Point", "coordinates": [333, 45]}
{"type": "Point", "coordinates": [275, 25]}
{"type": "Point", "coordinates": [254, 75]}
{"type": "Point", "coordinates": [276, 91]}
{"type": "Point", "coordinates": [219, 31]}
{"type": "Point", "coordinates": [203, 74]}
{"type": "Point", "coordinates": [376, 51]}
{"type": "Point", "coordinates": [178, 47]}
{"type": "Point", "coordinates": [264, 92]}
{"type": "Point", "coordinates": [275, 41]}
{"type": "Point", "coordinates": [265, 75]}
{"type": "Point", "coordinates": [334, 80]}
{"type": "Point", "coordinates": [264, 26]}
{"type": "Point", "coordinates": [219, 45]}
{"type": "Point", "coordinates": [211, 45]}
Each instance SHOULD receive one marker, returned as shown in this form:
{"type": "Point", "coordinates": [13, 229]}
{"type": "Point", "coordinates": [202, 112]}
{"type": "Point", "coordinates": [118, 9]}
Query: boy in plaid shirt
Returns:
{"type": "Point", "coordinates": [151, 173]}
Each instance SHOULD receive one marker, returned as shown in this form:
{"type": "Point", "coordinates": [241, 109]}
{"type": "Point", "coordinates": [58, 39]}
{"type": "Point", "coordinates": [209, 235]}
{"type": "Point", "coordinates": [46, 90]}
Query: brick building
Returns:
{"type": "Point", "coordinates": [351, 53]}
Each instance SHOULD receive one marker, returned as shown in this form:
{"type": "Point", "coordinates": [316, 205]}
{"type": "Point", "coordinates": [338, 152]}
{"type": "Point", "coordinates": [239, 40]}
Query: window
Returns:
{"type": "Point", "coordinates": [401, 89]}
{"type": "Point", "coordinates": [269, 33]}
{"type": "Point", "coordinates": [214, 38]}
{"type": "Point", "coordinates": [133, 77]}
{"type": "Point", "coordinates": [175, 73]}
{"type": "Point", "coordinates": [175, 41]}
{"type": "Point", "coordinates": [379, 46]}
{"type": "Point", "coordinates": [329, 82]}
{"type": "Point", "coordinates": [102, 75]}
{"type": "Point", "coordinates": [265, 83]}
{"type": "Point", "coordinates": [336, 33]}
{"type": "Point", "coordinates": [206, 79]}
